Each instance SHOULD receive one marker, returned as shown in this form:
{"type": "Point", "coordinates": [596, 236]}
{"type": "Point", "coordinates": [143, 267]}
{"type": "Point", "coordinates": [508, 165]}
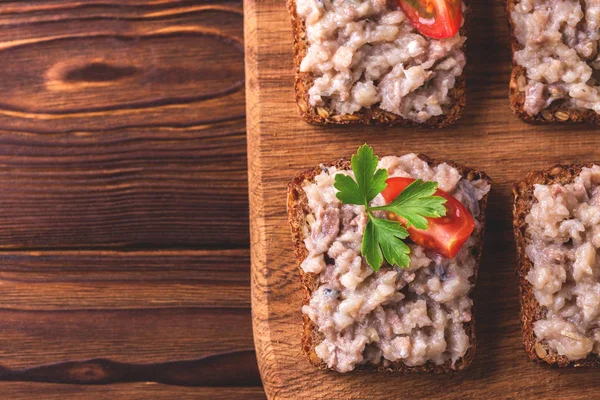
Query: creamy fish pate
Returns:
{"type": "Point", "coordinates": [563, 233]}
{"type": "Point", "coordinates": [559, 50]}
{"type": "Point", "coordinates": [365, 53]}
{"type": "Point", "coordinates": [410, 315]}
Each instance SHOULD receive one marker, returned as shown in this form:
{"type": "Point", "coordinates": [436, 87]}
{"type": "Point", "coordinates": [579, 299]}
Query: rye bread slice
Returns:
{"type": "Point", "coordinates": [365, 116]}
{"type": "Point", "coordinates": [531, 310]}
{"type": "Point", "coordinates": [558, 111]}
{"type": "Point", "coordinates": [297, 207]}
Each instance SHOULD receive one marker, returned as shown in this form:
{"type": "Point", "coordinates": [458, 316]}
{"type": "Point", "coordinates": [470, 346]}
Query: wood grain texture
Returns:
{"type": "Point", "coordinates": [144, 101]}
{"type": "Point", "coordinates": [122, 126]}
{"type": "Point", "coordinates": [142, 188]}
{"type": "Point", "coordinates": [130, 391]}
{"type": "Point", "coordinates": [114, 64]}
{"type": "Point", "coordinates": [488, 137]}
{"type": "Point", "coordinates": [227, 369]}
{"type": "Point", "coordinates": [114, 280]}
{"type": "Point", "coordinates": [166, 316]}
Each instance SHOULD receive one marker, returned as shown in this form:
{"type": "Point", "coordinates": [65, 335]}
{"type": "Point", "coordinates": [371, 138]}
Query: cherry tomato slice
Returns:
{"type": "Point", "coordinates": [437, 19]}
{"type": "Point", "coordinates": [446, 235]}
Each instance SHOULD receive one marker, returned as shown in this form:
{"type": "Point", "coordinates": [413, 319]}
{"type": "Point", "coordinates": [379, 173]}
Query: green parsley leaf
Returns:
{"type": "Point", "coordinates": [383, 239]}
{"type": "Point", "coordinates": [370, 246]}
{"type": "Point", "coordinates": [417, 202]}
{"type": "Point", "coordinates": [370, 181]}
{"type": "Point", "coordinates": [382, 235]}
{"type": "Point", "coordinates": [349, 192]}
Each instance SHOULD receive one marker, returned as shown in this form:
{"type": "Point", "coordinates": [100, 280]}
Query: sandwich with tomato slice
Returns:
{"type": "Point", "coordinates": [388, 252]}
{"type": "Point", "coordinates": [379, 61]}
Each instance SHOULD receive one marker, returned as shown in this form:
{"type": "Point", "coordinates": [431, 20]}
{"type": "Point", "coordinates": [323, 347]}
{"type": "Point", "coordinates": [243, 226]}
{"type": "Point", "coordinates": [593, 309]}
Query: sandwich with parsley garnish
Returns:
{"type": "Point", "coordinates": [388, 253]}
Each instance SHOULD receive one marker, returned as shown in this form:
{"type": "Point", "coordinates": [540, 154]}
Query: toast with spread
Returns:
{"type": "Point", "coordinates": [416, 318]}
{"type": "Point", "coordinates": [555, 224]}
{"type": "Point", "coordinates": [365, 63]}
{"type": "Point", "coordinates": [555, 60]}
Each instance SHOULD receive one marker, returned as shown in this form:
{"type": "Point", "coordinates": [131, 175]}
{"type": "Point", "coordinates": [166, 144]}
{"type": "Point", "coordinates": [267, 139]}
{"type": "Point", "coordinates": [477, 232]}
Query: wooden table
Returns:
{"type": "Point", "coordinates": [123, 210]}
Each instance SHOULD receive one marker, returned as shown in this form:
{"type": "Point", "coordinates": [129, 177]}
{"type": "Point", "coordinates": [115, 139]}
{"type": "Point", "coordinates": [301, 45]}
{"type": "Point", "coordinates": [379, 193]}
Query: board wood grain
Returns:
{"type": "Point", "coordinates": [488, 137]}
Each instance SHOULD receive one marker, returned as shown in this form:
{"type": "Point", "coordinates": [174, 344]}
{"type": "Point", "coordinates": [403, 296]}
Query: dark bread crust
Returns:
{"type": "Point", "coordinates": [365, 116]}
{"type": "Point", "coordinates": [558, 111]}
{"type": "Point", "coordinates": [531, 310]}
{"type": "Point", "coordinates": [297, 206]}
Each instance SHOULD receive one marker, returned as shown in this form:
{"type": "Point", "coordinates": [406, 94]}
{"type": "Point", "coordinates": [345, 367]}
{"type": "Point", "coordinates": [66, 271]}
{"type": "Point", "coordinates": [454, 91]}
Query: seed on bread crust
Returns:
{"type": "Point", "coordinates": [346, 117]}
{"type": "Point", "coordinates": [302, 105]}
{"type": "Point", "coordinates": [556, 171]}
{"type": "Point", "coordinates": [540, 351]}
{"type": "Point", "coordinates": [547, 115]}
{"type": "Point", "coordinates": [521, 83]}
{"type": "Point", "coordinates": [323, 113]}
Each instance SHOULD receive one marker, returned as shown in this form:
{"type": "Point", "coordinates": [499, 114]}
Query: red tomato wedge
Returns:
{"type": "Point", "coordinates": [446, 235]}
{"type": "Point", "coordinates": [437, 19]}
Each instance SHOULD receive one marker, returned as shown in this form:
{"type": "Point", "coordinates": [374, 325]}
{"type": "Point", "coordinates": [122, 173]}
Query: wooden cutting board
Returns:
{"type": "Point", "coordinates": [488, 137]}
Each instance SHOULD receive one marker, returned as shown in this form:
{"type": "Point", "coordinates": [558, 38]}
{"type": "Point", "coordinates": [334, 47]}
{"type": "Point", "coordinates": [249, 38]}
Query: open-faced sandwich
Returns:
{"type": "Point", "coordinates": [557, 232]}
{"type": "Point", "coordinates": [556, 63]}
{"type": "Point", "coordinates": [388, 253]}
{"type": "Point", "coordinates": [379, 61]}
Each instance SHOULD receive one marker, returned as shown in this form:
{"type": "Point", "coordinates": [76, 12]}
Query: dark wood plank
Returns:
{"type": "Point", "coordinates": [92, 280]}
{"type": "Point", "coordinates": [34, 338]}
{"type": "Point", "coordinates": [159, 187]}
{"type": "Point", "coordinates": [130, 391]}
{"type": "Point", "coordinates": [226, 369]}
{"type": "Point", "coordinates": [125, 129]}
{"type": "Point", "coordinates": [178, 317]}
{"type": "Point", "coordinates": [145, 101]}
{"type": "Point", "coordinates": [488, 137]}
{"type": "Point", "coordinates": [132, 307]}
{"type": "Point", "coordinates": [98, 65]}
